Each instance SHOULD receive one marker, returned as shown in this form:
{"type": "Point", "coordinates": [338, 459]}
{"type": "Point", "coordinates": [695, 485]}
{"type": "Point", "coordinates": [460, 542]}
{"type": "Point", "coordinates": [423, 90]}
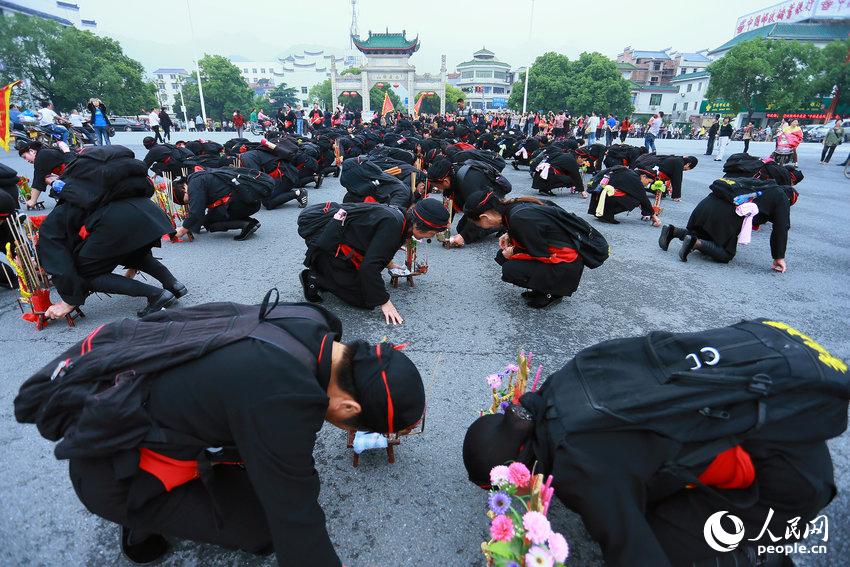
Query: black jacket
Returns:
{"type": "Point", "coordinates": [91, 109]}
{"type": "Point", "coordinates": [204, 190]}
{"type": "Point", "coordinates": [715, 219]}
{"type": "Point", "coordinates": [271, 411]}
{"type": "Point", "coordinates": [712, 130]}
{"type": "Point", "coordinates": [629, 183]}
{"type": "Point", "coordinates": [114, 230]}
{"type": "Point", "coordinates": [48, 161]}
{"type": "Point", "coordinates": [726, 130]}
{"type": "Point", "coordinates": [165, 119]}
{"type": "Point", "coordinates": [376, 232]}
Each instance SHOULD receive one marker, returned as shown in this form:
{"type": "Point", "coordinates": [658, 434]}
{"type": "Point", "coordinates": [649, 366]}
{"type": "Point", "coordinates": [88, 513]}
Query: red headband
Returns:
{"type": "Point", "coordinates": [390, 411]}
{"type": "Point", "coordinates": [432, 225]}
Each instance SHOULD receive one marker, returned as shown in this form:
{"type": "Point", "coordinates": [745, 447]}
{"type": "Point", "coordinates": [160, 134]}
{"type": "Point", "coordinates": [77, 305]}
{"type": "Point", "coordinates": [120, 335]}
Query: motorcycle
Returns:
{"type": "Point", "coordinates": [258, 129]}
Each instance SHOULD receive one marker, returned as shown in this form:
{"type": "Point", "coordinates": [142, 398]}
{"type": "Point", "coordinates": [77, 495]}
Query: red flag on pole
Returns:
{"type": "Point", "coordinates": [418, 105]}
{"type": "Point", "coordinates": [5, 127]}
{"type": "Point", "coordinates": [388, 105]}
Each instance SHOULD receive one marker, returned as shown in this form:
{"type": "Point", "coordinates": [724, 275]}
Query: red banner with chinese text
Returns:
{"type": "Point", "coordinates": [5, 126]}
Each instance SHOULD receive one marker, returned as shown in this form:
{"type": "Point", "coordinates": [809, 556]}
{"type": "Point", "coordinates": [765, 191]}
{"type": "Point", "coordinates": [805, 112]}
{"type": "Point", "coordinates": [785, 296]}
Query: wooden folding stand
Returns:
{"type": "Point", "coordinates": [392, 441]}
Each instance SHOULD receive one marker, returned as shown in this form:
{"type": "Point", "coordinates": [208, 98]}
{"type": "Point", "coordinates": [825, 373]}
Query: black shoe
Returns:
{"type": "Point", "coordinates": [515, 166]}
{"type": "Point", "coordinates": [178, 289]}
{"type": "Point", "coordinates": [547, 192]}
{"type": "Point", "coordinates": [544, 300]}
{"type": "Point", "coordinates": [530, 294]}
{"type": "Point", "coordinates": [301, 197]}
{"type": "Point", "coordinates": [146, 551]}
{"type": "Point", "coordinates": [319, 180]}
{"type": "Point", "coordinates": [688, 245]}
{"type": "Point", "coordinates": [163, 301]}
{"type": "Point", "coordinates": [336, 173]}
{"type": "Point", "coordinates": [311, 289]}
{"type": "Point", "coordinates": [609, 220]}
{"type": "Point", "coordinates": [666, 236]}
{"type": "Point", "coordinates": [250, 228]}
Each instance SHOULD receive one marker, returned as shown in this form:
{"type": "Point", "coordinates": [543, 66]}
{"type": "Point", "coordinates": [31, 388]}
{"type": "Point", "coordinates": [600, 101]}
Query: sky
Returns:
{"type": "Point", "coordinates": [156, 32]}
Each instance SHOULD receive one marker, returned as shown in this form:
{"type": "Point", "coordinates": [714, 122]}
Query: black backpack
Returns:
{"type": "Point", "coordinates": [103, 174]}
{"type": "Point", "coordinates": [742, 165]}
{"type": "Point", "coordinates": [319, 229]}
{"type": "Point", "coordinates": [249, 186]}
{"type": "Point", "coordinates": [589, 242]}
{"type": "Point", "coordinates": [498, 181]}
{"type": "Point", "coordinates": [728, 189]}
{"type": "Point", "coordinates": [756, 380]}
{"type": "Point", "coordinates": [92, 398]}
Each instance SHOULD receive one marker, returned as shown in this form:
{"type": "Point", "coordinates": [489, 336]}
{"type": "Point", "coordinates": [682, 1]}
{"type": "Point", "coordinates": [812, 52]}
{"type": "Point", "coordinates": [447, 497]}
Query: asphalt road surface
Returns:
{"type": "Point", "coordinates": [463, 323]}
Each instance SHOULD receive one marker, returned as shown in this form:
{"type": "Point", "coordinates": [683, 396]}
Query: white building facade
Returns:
{"type": "Point", "coordinates": [486, 80]}
{"type": "Point", "coordinates": [64, 13]}
{"type": "Point", "coordinates": [169, 82]}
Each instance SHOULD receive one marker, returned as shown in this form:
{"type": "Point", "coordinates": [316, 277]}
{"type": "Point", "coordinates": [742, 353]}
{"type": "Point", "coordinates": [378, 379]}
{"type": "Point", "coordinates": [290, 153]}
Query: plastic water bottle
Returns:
{"type": "Point", "coordinates": [57, 186]}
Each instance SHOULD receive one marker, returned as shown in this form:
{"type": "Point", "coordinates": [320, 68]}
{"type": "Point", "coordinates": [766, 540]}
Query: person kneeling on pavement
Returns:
{"type": "Point", "coordinates": [618, 190]}
{"type": "Point", "coordinates": [544, 249]}
{"type": "Point", "coordinates": [670, 430]}
{"type": "Point", "coordinates": [222, 199]}
{"type": "Point", "coordinates": [350, 244]}
{"type": "Point", "coordinates": [214, 445]}
{"type": "Point", "coordinates": [729, 214]}
{"type": "Point", "coordinates": [104, 218]}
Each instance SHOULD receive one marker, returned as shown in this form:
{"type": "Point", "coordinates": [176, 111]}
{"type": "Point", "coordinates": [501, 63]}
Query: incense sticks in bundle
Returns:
{"type": "Point", "coordinates": [22, 255]}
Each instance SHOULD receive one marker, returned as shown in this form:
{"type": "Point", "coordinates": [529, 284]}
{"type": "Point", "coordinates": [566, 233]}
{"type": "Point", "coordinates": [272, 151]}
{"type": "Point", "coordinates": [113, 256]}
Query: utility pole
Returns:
{"type": "Point", "coordinates": [197, 67]}
{"type": "Point", "coordinates": [528, 67]}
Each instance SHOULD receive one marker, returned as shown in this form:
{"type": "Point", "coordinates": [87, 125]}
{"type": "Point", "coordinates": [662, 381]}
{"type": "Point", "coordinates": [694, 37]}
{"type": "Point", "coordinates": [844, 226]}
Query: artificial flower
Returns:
{"type": "Point", "coordinates": [538, 557]}
{"type": "Point", "coordinates": [519, 474]}
{"type": "Point", "coordinates": [502, 529]}
{"type": "Point", "coordinates": [499, 475]}
{"type": "Point", "coordinates": [537, 528]}
{"type": "Point", "coordinates": [494, 381]}
{"type": "Point", "coordinates": [511, 368]}
{"type": "Point", "coordinates": [559, 547]}
{"type": "Point", "coordinates": [499, 502]}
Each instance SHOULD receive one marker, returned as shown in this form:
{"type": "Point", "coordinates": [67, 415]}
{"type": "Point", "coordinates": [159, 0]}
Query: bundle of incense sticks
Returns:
{"type": "Point", "coordinates": [23, 257]}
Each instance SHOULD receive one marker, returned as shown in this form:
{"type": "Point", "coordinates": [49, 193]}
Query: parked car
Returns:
{"type": "Point", "coordinates": [128, 124]}
{"type": "Point", "coordinates": [816, 133]}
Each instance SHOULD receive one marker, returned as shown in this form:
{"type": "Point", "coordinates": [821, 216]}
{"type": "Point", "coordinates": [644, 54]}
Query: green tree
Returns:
{"type": "Point", "coordinates": [322, 93]}
{"type": "Point", "coordinates": [376, 98]}
{"type": "Point", "coordinates": [592, 82]}
{"type": "Point", "coordinates": [831, 69]}
{"type": "Point", "coordinates": [596, 84]}
{"type": "Point", "coordinates": [281, 95]}
{"type": "Point", "coordinates": [224, 89]}
{"type": "Point", "coordinates": [774, 73]}
{"type": "Point", "coordinates": [68, 66]}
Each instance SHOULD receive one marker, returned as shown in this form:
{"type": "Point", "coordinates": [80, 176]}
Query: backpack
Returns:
{"type": "Point", "coordinates": [730, 189]}
{"type": "Point", "coordinates": [319, 227]}
{"type": "Point", "coordinates": [103, 174]}
{"type": "Point", "coordinates": [756, 380]}
{"type": "Point", "coordinates": [250, 186]}
{"type": "Point", "coordinates": [588, 242]}
{"type": "Point", "coordinates": [742, 165]}
{"type": "Point", "coordinates": [498, 181]}
{"type": "Point", "coordinates": [92, 398]}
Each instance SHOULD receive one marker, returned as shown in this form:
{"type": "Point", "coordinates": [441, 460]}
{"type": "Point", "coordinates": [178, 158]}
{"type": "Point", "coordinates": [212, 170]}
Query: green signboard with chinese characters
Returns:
{"type": "Point", "coordinates": [718, 106]}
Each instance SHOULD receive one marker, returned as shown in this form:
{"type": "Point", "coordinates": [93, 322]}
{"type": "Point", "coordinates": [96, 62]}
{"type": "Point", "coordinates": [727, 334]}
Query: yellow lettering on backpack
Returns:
{"type": "Point", "coordinates": [823, 355]}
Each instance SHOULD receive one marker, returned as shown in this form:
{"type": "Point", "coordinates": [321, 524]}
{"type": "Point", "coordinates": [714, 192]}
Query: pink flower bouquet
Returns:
{"type": "Point", "coordinates": [520, 534]}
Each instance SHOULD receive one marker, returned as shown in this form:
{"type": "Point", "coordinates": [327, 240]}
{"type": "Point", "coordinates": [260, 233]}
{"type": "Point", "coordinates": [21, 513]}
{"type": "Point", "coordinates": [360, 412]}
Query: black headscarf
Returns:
{"type": "Point", "coordinates": [430, 214]}
{"type": "Point", "coordinates": [388, 387]}
{"type": "Point", "coordinates": [439, 169]}
{"type": "Point", "coordinates": [494, 440]}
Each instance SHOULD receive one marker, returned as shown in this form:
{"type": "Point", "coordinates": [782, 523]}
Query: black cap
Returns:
{"type": "Point", "coordinates": [494, 440]}
{"type": "Point", "coordinates": [431, 214]}
{"type": "Point", "coordinates": [388, 387]}
{"type": "Point", "coordinates": [439, 169]}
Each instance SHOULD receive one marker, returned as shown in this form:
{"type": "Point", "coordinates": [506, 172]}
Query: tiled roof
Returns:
{"type": "Point", "coordinates": [169, 71]}
{"type": "Point", "coordinates": [799, 32]}
{"type": "Point", "coordinates": [483, 63]}
{"type": "Point", "coordinates": [694, 57]}
{"type": "Point", "coordinates": [690, 76]}
{"type": "Point", "coordinates": [15, 7]}
{"type": "Point", "coordinates": [393, 41]}
{"type": "Point", "coordinates": [650, 55]}
{"type": "Point", "coordinates": [625, 65]}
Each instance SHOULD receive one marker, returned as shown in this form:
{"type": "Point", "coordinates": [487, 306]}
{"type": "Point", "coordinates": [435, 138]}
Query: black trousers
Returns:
{"type": "Point", "coordinates": [746, 146]}
{"type": "Point", "coordinates": [623, 136]}
{"type": "Point", "coordinates": [187, 512]}
{"type": "Point", "coordinates": [157, 136]}
{"type": "Point", "coordinates": [613, 206]}
{"type": "Point", "coordinates": [338, 276]}
{"type": "Point", "coordinates": [710, 148]}
{"type": "Point", "coordinates": [166, 132]}
{"type": "Point", "coordinates": [558, 279]}
{"type": "Point", "coordinates": [826, 154]}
